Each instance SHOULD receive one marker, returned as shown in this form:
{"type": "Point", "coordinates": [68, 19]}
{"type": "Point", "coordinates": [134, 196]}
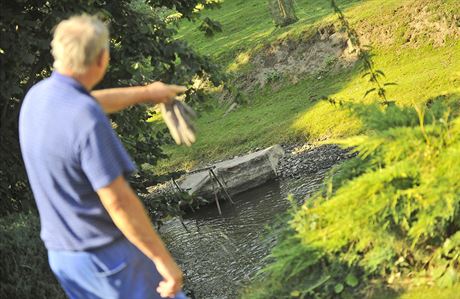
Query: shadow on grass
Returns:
{"type": "Point", "coordinates": [248, 24]}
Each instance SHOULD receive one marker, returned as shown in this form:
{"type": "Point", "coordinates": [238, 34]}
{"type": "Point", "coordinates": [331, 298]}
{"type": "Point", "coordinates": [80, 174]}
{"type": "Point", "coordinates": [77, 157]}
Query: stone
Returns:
{"type": "Point", "coordinates": [237, 175]}
{"type": "Point", "coordinates": [338, 38]}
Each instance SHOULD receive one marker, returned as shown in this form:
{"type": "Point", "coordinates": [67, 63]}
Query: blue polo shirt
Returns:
{"type": "Point", "coordinates": [70, 150]}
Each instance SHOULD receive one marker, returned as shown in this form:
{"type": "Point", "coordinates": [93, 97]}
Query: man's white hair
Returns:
{"type": "Point", "coordinates": [78, 41]}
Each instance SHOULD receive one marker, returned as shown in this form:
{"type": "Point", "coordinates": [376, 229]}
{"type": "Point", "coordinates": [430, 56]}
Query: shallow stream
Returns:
{"type": "Point", "coordinates": [220, 254]}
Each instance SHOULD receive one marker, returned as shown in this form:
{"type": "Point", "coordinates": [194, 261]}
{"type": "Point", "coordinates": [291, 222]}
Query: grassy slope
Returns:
{"type": "Point", "coordinates": [275, 116]}
{"type": "Point", "coordinates": [247, 25]}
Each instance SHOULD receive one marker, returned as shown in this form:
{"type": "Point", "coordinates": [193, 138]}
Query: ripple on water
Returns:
{"type": "Point", "coordinates": [219, 254]}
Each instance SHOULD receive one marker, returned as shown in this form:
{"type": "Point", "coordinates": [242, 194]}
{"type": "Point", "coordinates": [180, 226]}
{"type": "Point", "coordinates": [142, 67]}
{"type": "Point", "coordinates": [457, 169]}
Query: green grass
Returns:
{"type": "Point", "coordinates": [292, 112]}
{"type": "Point", "coordinates": [25, 271]}
{"type": "Point", "coordinates": [422, 293]}
{"type": "Point", "coordinates": [247, 24]}
{"type": "Point", "coordinates": [431, 292]}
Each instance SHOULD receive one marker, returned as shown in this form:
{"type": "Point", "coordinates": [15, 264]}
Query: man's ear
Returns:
{"type": "Point", "coordinates": [101, 57]}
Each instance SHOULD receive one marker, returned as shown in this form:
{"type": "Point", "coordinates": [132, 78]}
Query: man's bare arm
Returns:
{"type": "Point", "coordinates": [116, 99]}
{"type": "Point", "coordinates": [129, 215]}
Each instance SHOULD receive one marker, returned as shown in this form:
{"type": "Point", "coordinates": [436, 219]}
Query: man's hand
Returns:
{"type": "Point", "coordinates": [130, 216]}
{"type": "Point", "coordinates": [163, 93]}
{"type": "Point", "coordinates": [172, 278]}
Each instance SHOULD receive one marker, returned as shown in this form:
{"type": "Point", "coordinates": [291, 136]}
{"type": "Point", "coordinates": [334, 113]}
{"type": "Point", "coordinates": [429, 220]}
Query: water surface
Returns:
{"type": "Point", "coordinates": [220, 254]}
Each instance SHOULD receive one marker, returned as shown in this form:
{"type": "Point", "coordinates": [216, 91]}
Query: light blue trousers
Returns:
{"type": "Point", "coordinates": [115, 271]}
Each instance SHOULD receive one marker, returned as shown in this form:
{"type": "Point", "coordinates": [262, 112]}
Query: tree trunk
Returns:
{"type": "Point", "coordinates": [283, 12]}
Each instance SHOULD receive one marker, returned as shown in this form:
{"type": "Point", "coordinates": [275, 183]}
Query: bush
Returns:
{"type": "Point", "coordinates": [390, 215]}
{"type": "Point", "coordinates": [23, 267]}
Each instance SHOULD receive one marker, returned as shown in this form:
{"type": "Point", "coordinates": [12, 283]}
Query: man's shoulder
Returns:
{"type": "Point", "coordinates": [69, 107]}
{"type": "Point", "coordinates": [52, 89]}
{"type": "Point", "coordinates": [91, 113]}
{"type": "Point", "coordinates": [38, 88]}
{"type": "Point", "coordinates": [89, 116]}
{"type": "Point", "coordinates": [65, 96]}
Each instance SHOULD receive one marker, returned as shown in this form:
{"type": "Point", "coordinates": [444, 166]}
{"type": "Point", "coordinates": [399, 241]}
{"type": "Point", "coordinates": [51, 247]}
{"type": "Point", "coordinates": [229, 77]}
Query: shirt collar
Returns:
{"type": "Point", "coordinates": [55, 75]}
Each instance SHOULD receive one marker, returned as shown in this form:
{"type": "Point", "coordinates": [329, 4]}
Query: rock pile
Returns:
{"type": "Point", "coordinates": [301, 159]}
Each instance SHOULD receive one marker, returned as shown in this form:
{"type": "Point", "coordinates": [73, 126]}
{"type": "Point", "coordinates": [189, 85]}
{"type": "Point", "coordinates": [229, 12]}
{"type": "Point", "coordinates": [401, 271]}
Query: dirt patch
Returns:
{"type": "Point", "coordinates": [294, 58]}
{"type": "Point", "coordinates": [437, 26]}
{"type": "Point", "coordinates": [412, 24]}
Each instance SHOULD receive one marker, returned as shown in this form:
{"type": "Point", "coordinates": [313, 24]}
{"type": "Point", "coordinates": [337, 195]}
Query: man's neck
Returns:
{"type": "Point", "coordinates": [85, 79]}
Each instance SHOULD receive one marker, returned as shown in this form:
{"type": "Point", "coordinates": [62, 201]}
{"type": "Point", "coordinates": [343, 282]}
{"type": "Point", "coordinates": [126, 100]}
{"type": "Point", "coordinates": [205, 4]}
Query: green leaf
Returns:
{"type": "Point", "coordinates": [448, 279]}
{"type": "Point", "coordinates": [379, 72]}
{"type": "Point", "coordinates": [367, 47]}
{"type": "Point", "coordinates": [369, 91]}
{"type": "Point", "coordinates": [390, 84]}
{"type": "Point", "coordinates": [295, 294]}
{"type": "Point", "coordinates": [338, 288]}
{"type": "Point", "coordinates": [447, 246]}
{"type": "Point", "coordinates": [351, 280]}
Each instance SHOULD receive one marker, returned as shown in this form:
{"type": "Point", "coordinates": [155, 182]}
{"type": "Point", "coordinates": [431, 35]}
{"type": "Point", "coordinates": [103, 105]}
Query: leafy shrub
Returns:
{"type": "Point", "coordinates": [210, 27]}
{"type": "Point", "coordinates": [391, 214]}
{"type": "Point", "coordinates": [273, 76]}
{"type": "Point", "coordinates": [24, 269]}
{"type": "Point", "coordinates": [142, 49]}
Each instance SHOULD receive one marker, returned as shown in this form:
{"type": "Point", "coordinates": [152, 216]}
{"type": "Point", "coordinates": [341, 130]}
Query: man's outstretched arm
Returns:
{"type": "Point", "coordinates": [129, 215]}
{"type": "Point", "coordinates": [116, 99]}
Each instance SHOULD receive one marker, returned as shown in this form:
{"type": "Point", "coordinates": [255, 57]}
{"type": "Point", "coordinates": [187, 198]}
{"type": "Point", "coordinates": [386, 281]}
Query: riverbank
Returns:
{"type": "Point", "coordinates": [285, 108]}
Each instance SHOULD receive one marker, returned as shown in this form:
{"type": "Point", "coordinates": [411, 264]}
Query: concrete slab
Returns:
{"type": "Point", "coordinates": [238, 174]}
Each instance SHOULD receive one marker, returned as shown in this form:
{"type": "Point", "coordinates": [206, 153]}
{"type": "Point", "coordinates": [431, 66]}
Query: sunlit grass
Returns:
{"type": "Point", "coordinates": [433, 292]}
{"type": "Point", "coordinates": [293, 112]}
{"type": "Point", "coordinates": [247, 25]}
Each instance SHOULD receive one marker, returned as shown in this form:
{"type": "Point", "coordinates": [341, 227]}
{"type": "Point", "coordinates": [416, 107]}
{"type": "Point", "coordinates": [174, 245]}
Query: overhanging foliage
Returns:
{"type": "Point", "coordinates": [143, 49]}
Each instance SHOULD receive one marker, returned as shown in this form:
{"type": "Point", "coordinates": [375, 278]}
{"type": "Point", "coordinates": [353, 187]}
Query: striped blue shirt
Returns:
{"type": "Point", "coordinates": [70, 150]}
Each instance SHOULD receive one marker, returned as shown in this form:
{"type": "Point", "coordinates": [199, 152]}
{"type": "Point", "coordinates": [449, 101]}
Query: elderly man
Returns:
{"type": "Point", "coordinates": [100, 241]}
